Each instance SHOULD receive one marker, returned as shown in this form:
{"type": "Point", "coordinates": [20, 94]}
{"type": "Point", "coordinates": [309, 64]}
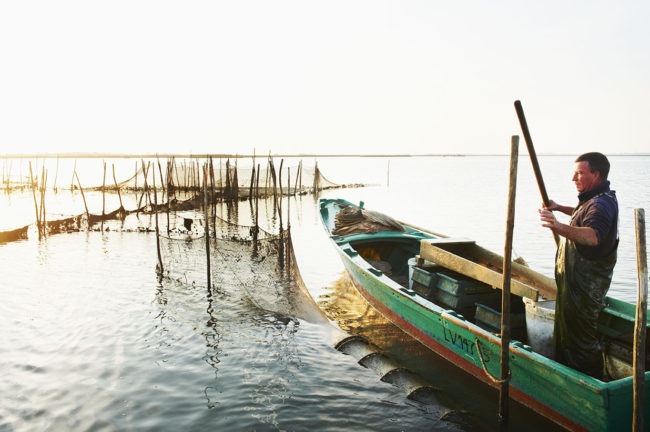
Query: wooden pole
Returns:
{"type": "Point", "coordinates": [162, 180]}
{"type": "Point", "coordinates": [504, 411]}
{"type": "Point", "coordinates": [533, 159]}
{"type": "Point", "coordinates": [56, 175]}
{"type": "Point", "coordinates": [295, 186]}
{"type": "Point", "coordinates": [213, 200]}
{"type": "Point", "coordinates": [41, 190]}
{"type": "Point", "coordinates": [250, 190]}
{"type": "Point", "coordinates": [155, 197]}
{"type": "Point", "coordinates": [640, 323]}
{"type": "Point", "coordinates": [103, 196]}
{"type": "Point", "coordinates": [117, 188]}
{"type": "Point", "coordinates": [74, 170]}
{"type": "Point", "coordinates": [170, 180]}
{"type": "Point", "coordinates": [280, 185]}
{"type": "Point", "coordinates": [287, 249]}
{"type": "Point", "coordinates": [44, 217]}
{"type": "Point", "coordinates": [207, 225]}
{"type": "Point", "coordinates": [31, 182]}
{"type": "Point", "coordinates": [83, 197]}
{"type": "Point", "coordinates": [257, 197]}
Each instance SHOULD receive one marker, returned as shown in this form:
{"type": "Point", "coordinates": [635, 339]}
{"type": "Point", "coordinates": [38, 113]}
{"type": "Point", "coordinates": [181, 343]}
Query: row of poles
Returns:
{"type": "Point", "coordinates": [208, 187]}
{"type": "Point", "coordinates": [228, 185]}
{"type": "Point", "coordinates": [640, 327]}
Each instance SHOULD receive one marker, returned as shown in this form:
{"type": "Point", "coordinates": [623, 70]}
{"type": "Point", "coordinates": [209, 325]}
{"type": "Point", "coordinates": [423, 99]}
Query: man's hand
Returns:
{"type": "Point", "coordinates": [583, 235]}
{"type": "Point", "coordinates": [553, 206]}
{"type": "Point", "coordinates": [548, 218]}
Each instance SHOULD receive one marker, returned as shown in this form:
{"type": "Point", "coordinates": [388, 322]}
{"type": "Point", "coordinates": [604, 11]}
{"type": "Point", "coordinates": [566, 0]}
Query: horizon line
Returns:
{"type": "Point", "coordinates": [89, 155]}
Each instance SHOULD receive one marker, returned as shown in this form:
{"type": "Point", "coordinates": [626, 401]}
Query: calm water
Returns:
{"type": "Point", "coordinates": [91, 340]}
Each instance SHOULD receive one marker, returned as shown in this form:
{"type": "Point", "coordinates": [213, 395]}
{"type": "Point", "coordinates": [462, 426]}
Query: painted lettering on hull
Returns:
{"type": "Point", "coordinates": [462, 343]}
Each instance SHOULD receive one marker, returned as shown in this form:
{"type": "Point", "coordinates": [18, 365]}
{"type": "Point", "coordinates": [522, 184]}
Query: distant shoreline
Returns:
{"type": "Point", "coordinates": [247, 156]}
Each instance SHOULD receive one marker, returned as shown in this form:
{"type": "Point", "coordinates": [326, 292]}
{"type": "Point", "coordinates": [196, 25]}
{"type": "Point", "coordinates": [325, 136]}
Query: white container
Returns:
{"type": "Point", "coordinates": [540, 320]}
{"type": "Point", "coordinates": [411, 265]}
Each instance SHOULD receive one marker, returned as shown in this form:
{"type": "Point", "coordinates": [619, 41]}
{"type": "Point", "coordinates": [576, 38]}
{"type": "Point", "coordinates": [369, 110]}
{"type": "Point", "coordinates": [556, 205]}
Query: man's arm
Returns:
{"type": "Point", "coordinates": [582, 235]}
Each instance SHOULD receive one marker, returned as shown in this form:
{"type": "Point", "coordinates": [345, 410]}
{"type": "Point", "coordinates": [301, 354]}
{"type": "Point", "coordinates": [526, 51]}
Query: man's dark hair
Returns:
{"type": "Point", "coordinates": [597, 163]}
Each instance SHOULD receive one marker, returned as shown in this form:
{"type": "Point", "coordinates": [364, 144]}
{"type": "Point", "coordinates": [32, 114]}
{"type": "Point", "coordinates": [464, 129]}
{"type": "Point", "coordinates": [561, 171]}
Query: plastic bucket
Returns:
{"type": "Point", "coordinates": [540, 320]}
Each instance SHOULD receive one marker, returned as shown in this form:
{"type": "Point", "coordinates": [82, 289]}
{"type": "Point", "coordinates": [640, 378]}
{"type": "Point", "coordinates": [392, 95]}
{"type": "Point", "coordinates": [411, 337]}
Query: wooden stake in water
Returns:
{"type": "Point", "coordinates": [103, 196]}
{"type": "Point", "coordinates": [162, 180]}
{"type": "Point", "coordinates": [640, 324]}
{"type": "Point", "coordinates": [74, 171]}
{"type": "Point", "coordinates": [155, 197]}
{"type": "Point", "coordinates": [31, 182]}
{"type": "Point", "coordinates": [207, 225]}
{"type": "Point", "coordinates": [117, 187]}
{"type": "Point", "coordinates": [505, 292]}
{"type": "Point", "coordinates": [83, 197]}
{"type": "Point", "coordinates": [43, 189]}
{"type": "Point", "coordinates": [56, 175]}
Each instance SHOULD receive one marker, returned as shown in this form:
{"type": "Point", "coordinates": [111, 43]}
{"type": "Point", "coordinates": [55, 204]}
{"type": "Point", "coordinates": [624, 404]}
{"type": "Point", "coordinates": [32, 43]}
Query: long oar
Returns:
{"type": "Point", "coordinates": [533, 159]}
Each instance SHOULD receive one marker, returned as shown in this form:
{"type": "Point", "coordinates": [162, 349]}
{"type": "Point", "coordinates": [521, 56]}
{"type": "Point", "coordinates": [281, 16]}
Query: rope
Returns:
{"type": "Point", "coordinates": [492, 377]}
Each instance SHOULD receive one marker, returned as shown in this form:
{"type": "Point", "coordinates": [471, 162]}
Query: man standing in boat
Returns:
{"type": "Point", "coordinates": [584, 263]}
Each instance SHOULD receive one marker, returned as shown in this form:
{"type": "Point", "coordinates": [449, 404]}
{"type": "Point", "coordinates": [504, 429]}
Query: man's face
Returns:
{"type": "Point", "coordinates": [584, 179]}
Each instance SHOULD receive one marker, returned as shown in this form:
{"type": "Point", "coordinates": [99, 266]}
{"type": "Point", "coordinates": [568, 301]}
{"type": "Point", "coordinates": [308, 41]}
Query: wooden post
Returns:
{"type": "Point", "coordinates": [155, 197]}
{"type": "Point", "coordinates": [103, 196]}
{"type": "Point", "coordinates": [640, 324]}
{"type": "Point", "coordinates": [42, 191]}
{"type": "Point", "coordinates": [83, 197]}
{"type": "Point", "coordinates": [74, 170]}
{"type": "Point", "coordinates": [145, 191]}
{"type": "Point", "coordinates": [162, 180]}
{"type": "Point", "coordinates": [207, 225]}
{"type": "Point", "coordinates": [504, 411]}
{"type": "Point", "coordinates": [295, 186]}
{"type": "Point", "coordinates": [31, 182]}
{"type": "Point", "coordinates": [42, 210]}
{"type": "Point", "coordinates": [170, 181]}
{"type": "Point", "coordinates": [117, 187]}
{"type": "Point", "coordinates": [250, 189]}
{"type": "Point", "coordinates": [257, 198]}
{"type": "Point", "coordinates": [235, 182]}
{"type": "Point", "coordinates": [280, 185]}
{"type": "Point", "coordinates": [213, 200]}
{"type": "Point", "coordinates": [56, 175]}
{"type": "Point", "coordinates": [287, 249]}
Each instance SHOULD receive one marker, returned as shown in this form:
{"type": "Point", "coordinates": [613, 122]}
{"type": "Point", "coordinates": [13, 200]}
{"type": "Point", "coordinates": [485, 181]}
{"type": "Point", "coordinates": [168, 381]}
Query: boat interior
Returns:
{"type": "Point", "coordinates": [398, 259]}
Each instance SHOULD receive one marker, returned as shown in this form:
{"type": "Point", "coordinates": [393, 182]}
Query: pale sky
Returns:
{"type": "Point", "coordinates": [323, 77]}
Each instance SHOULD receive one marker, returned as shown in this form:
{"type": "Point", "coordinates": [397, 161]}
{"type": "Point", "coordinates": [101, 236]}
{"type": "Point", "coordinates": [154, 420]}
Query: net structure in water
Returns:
{"type": "Point", "coordinates": [260, 264]}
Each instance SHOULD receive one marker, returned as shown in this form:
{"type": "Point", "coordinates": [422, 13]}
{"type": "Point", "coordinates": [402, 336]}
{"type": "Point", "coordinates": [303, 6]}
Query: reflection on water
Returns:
{"type": "Point", "coordinates": [92, 340]}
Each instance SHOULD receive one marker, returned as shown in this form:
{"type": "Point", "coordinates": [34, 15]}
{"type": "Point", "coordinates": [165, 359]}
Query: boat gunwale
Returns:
{"type": "Point", "coordinates": [518, 348]}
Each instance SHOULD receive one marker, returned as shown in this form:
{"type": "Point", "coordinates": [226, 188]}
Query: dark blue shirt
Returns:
{"type": "Point", "coordinates": [598, 209]}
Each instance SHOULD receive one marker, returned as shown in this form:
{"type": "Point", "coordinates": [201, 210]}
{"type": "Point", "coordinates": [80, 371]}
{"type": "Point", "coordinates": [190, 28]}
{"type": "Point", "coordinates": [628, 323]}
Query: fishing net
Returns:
{"type": "Point", "coordinates": [258, 263]}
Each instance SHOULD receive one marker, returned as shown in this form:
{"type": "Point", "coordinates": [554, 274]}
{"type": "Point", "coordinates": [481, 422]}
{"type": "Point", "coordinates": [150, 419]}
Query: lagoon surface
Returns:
{"type": "Point", "coordinates": [91, 339]}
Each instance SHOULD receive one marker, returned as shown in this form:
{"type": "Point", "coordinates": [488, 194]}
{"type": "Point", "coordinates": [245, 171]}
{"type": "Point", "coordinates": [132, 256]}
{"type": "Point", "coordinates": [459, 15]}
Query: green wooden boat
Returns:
{"type": "Point", "coordinates": [441, 300]}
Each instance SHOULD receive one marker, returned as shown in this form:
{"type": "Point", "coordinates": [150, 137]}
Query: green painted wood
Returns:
{"type": "Point", "coordinates": [571, 398]}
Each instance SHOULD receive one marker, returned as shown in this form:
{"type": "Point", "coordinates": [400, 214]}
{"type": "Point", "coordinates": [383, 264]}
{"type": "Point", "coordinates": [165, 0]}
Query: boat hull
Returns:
{"type": "Point", "coordinates": [570, 398]}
